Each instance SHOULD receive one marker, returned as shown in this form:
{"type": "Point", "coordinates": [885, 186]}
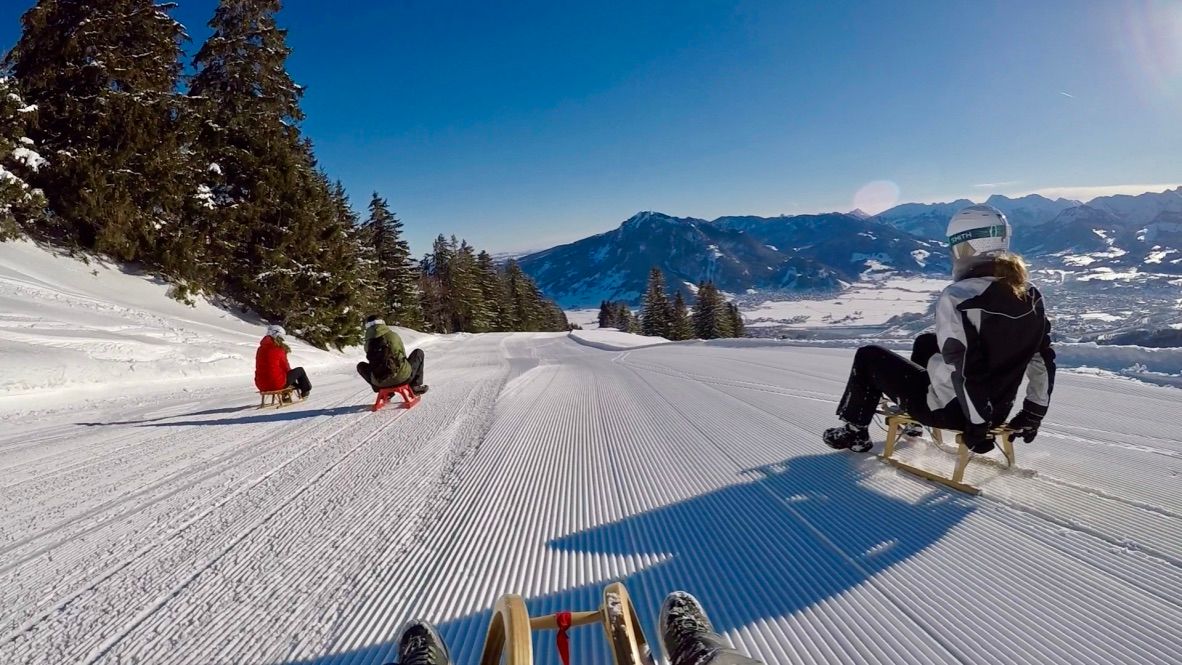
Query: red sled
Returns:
{"type": "Point", "coordinates": [409, 398]}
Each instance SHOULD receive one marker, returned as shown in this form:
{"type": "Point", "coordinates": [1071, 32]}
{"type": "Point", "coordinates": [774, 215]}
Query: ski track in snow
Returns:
{"type": "Point", "coordinates": [189, 527]}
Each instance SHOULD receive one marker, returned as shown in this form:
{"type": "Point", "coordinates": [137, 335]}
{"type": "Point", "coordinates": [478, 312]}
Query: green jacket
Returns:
{"type": "Point", "coordinates": [394, 343]}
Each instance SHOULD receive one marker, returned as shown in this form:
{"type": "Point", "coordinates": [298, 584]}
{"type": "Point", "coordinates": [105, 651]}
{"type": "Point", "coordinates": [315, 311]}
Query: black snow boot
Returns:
{"type": "Point", "coordinates": [849, 436]}
{"type": "Point", "coordinates": [688, 637]}
{"type": "Point", "coordinates": [419, 390]}
{"type": "Point", "coordinates": [911, 430]}
{"type": "Point", "coordinates": [420, 644]}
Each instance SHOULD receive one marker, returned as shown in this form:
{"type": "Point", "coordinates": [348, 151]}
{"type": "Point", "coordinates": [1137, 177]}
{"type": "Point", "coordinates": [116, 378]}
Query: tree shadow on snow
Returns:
{"type": "Point", "coordinates": [270, 415]}
{"type": "Point", "coordinates": [793, 535]}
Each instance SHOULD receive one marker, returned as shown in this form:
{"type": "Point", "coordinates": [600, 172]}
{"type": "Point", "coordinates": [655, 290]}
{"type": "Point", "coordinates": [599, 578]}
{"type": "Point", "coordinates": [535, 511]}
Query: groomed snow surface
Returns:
{"type": "Point", "coordinates": [174, 523]}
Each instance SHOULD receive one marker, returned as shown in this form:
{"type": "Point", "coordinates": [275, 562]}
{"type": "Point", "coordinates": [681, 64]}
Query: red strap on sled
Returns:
{"type": "Point", "coordinates": [563, 619]}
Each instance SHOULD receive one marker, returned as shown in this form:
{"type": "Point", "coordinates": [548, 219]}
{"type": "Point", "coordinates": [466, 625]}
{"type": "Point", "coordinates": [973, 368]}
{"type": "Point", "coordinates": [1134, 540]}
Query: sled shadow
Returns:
{"type": "Point", "coordinates": [271, 415]}
{"type": "Point", "coordinates": [208, 412]}
{"type": "Point", "coordinates": [787, 537]}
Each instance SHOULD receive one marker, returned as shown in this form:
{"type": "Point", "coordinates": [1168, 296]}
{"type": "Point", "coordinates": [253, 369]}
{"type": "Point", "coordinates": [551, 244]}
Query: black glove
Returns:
{"type": "Point", "coordinates": [1025, 426]}
{"type": "Point", "coordinates": [977, 438]}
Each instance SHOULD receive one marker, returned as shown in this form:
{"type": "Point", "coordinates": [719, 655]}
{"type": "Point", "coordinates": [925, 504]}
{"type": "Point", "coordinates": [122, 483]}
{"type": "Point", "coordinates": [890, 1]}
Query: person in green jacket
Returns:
{"type": "Point", "coordinates": [387, 363]}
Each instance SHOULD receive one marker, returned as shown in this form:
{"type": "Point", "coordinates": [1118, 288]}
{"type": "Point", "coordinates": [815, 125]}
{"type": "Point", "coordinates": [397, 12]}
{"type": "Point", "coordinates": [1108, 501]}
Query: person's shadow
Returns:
{"type": "Point", "coordinates": [797, 533]}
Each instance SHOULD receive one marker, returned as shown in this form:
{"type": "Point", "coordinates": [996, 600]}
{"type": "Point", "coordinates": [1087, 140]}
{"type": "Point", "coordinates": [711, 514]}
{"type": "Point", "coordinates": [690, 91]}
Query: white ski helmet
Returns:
{"type": "Point", "coordinates": [276, 331]}
{"type": "Point", "coordinates": [976, 234]}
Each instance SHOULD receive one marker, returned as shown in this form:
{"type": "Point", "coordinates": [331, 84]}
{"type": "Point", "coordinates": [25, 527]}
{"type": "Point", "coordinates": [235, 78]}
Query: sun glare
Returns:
{"type": "Point", "coordinates": [1153, 38]}
{"type": "Point", "coordinates": [876, 196]}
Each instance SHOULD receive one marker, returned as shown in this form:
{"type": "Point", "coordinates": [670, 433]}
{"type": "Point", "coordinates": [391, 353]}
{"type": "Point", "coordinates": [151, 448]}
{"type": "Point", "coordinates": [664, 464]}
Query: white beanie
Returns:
{"type": "Point", "coordinates": [276, 331]}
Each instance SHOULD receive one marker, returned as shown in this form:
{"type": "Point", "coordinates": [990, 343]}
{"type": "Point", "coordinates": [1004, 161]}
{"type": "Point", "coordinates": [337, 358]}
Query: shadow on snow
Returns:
{"type": "Point", "coordinates": [263, 416]}
{"type": "Point", "coordinates": [797, 533]}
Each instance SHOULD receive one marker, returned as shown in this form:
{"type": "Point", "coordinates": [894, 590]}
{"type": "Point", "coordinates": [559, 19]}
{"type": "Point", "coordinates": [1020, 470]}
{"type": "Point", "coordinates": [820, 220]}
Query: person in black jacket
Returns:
{"type": "Point", "coordinates": [991, 329]}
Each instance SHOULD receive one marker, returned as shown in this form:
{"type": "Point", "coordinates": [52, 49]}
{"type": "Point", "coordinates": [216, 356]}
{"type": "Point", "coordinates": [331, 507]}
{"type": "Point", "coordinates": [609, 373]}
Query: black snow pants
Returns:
{"type": "Point", "coordinates": [878, 371]}
{"type": "Point", "coordinates": [416, 359]}
{"type": "Point", "coordinates": [297, 378]}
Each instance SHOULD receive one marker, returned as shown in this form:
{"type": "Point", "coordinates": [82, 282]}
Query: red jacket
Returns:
{"type": "Point", "coordinates": [270, 366]}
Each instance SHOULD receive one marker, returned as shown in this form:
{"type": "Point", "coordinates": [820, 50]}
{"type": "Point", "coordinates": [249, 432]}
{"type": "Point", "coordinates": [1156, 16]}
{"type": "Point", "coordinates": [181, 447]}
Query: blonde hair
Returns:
{"type": "Point", "coordinates": [1010, 270]}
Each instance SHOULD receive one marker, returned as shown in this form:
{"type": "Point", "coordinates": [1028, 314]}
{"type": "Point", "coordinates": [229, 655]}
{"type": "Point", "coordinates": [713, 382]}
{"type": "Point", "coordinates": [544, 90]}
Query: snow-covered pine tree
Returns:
{"type": "Point", "coordinates": [681, 328]}
{"type": "Point", "coordinates": [470, 314]}
{"type": "Point", "coordinates": [624, 320]}
{"type": "Point", "coordinates": [103, 76]}
{"type": "Point", "coordinates": [492, 288]}
{"type": "Point", "coordinates": [709, 315]}
{"type": "Point", "coordinates": [397, 273]}
{"type": "Point", "coordinates": [372, 292]}
{"type": "Point", "coordinates": [655, 315]}
{"type": "Point", "coordinates": [521, 310]}
{"type": "Point", "coordinates": [21, 206]}
{"type": "Point", "coordinates": [329, 312]}
{"type": "Point", "coordinates": [273, 211]}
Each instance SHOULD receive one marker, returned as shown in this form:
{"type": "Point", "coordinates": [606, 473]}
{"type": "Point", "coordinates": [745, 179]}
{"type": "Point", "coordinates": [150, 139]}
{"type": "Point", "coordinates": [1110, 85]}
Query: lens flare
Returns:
{"type": "Point", "coordinates": [1152, 40]}
{"type": "Point", "coordinates": [876, 196]}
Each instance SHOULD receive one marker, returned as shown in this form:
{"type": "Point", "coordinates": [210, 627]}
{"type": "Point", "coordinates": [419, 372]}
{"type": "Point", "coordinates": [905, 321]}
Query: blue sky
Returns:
{"type": "Point", "coordinates": [523, 124]}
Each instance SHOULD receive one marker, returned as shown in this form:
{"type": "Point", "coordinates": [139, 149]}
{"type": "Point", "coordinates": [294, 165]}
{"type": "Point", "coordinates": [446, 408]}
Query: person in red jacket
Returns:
{"type": "Point", "coordinates": [271, 371]}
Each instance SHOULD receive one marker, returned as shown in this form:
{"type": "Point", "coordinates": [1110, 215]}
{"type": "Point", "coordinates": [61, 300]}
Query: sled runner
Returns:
{"type": "Point", "coordinates": [897, 420]}
{"type": "Point", "coordinates": [279, 398]}
{"type": "Point", "coordinates": [509, 640]}
{"type": "Point", "coordinates": [409, 398]}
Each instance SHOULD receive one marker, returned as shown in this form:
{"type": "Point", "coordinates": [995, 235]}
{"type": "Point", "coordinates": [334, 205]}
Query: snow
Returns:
{"type": "Point", "coordinates": [1157, 255]}
{"type": "Point", "coordinates": [6, 175]}
{"type": "Point", "coordinates": [28, 157]}
{"type": "Point", "coordinates": [1101, 316]}
{"type": "Point", "coordinates": [68, 325]}
{"type": "Point", "coordinates": [182, 525]}
{"type": "Point", "coordinates": [610, 339]}
{"type": "Point", "coordinates": [1109, 275]}
{"type": "Point", "coordinates": [871, 303]}
{"type": "Point", "coordinates": [587, 318]}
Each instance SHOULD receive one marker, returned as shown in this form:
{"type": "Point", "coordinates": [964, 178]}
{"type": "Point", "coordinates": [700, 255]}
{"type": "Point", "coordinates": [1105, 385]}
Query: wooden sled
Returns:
{"type": "Point", "coordinates": [279, 398]}
{"type": "Point", "coordinates": [896, 420]}
{"type": "Point", "coordinates": [409, 398]}
{"type": "Point", "coordinates": [509, 636]}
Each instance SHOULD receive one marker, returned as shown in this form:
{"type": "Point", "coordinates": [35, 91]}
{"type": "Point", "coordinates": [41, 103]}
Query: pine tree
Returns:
{"type": "Point", "coordinates": [682, 327]}
{"type": "Point", "coordinates": [607, 314]}
{"type": "Point", "coordinates": [438, 299]}
{"type": "Point", "coordinates": [709, 313]}
{"type": "Point", "coordinates": [492, 289]}
{"type": "Point", "coordinates": [655, 315]}
{"type": "Point", "coordinates": [624, 320]}
{"type": "Point", "coordinates": [470, 314]}
{"type": "Point", "coordinates": [273, 212]}
{"type": "Point", "coordinates": [21, 206]}
{"type": "Point", "coordinates": [103, 76]}
{"type": "Point", "coordinates": [737, 328]}
{"type": "Point", "coordinates": [397, 274]}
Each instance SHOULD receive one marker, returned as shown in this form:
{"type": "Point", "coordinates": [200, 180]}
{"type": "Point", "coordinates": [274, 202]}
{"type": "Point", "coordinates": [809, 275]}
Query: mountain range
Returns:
{"type": "Point", "coordinates": [820, 252]}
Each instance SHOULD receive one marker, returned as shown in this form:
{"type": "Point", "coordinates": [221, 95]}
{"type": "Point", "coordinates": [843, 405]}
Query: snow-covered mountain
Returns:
{"type": "Point", "coordinates": [1114, 234]}
{"type": "Point", "coordinates": [1030, 210]}
{"type": "Point", "coordinates": [848, 244]}
{"type": "Point", "coordinates": [615, 265]}
{"type": "Point", "coordinates": [930, 220]}
{"type": "Point", "coordinates": [1143, 208]}
{"type": "Point", "coordinates": [926, 220]}
{"type": "Point", "coordinates": [800, 253]}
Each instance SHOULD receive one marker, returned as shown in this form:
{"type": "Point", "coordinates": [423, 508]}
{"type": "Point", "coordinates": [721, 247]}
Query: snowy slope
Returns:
{"type": "Point", "coordinates": [92, 327]}
{"type": "Point", "coordinates": [190, 528]}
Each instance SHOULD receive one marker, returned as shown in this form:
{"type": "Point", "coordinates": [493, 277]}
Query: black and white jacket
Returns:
{"type": "Point", "coordinates": [989, 338]}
